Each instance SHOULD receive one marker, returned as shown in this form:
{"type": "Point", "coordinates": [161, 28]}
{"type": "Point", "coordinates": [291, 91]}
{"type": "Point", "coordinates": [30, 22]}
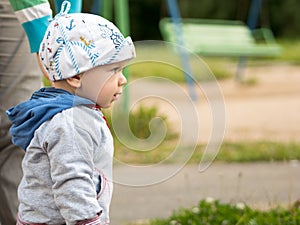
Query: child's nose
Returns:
{"type": "Point", "coordinates": [122, 80]}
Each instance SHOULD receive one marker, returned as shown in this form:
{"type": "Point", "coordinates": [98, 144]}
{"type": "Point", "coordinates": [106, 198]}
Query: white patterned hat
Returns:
{"type": "Point", "coordinates": [77, 42]}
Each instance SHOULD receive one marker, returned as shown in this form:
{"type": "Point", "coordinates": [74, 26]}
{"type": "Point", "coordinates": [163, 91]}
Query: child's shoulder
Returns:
{"type": "Point", "coordinates": [80, 116]}
{"type": "Point", "coordinates": [68, 121]}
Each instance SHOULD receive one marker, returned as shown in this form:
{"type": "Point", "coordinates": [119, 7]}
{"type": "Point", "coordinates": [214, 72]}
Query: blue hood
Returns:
{"type": "Point", "coordinates": [43, 105]}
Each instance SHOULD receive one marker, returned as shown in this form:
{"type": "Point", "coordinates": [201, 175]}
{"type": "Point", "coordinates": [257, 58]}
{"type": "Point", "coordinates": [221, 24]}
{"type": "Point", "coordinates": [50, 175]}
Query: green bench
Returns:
{"type": "Point", "coordinates": [222, 38]}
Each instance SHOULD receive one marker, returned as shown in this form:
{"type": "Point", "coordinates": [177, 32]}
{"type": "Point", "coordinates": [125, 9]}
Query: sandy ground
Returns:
{"type": "Point", "coordinates": [266, 110]}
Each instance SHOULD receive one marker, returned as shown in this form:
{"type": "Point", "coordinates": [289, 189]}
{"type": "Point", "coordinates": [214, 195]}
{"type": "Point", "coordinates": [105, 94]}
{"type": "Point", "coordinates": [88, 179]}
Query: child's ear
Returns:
{"type": "Point", "coordinates": [75, 81]}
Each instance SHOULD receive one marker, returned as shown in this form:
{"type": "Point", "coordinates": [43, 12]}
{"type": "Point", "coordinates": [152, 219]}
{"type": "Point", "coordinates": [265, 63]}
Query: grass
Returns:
{"type": "Point", "coordinates": [253, 152]}
{"type": "Point", "coordinates": [212, 212]}
{"type": "Point", "coordinates": [157, 59]}
{"type": "Point", "coordinates": [229, 152]}
{"type": "Point", "coordinates": [291, 51]}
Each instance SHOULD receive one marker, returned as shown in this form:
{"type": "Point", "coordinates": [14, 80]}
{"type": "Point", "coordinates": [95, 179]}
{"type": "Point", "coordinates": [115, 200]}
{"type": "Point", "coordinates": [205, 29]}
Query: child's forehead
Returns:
{"type": "Point", "coordinates": [110, 67]}
{"type": "Point", "coordinates": [116, 65]}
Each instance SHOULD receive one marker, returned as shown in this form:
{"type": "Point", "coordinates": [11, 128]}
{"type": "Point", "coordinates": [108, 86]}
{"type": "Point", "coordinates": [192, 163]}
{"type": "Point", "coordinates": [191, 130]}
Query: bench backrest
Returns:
{"type": "Point", "coordinates": [203, 32]}
{"type": "Point", "coordinates": [220, 37]}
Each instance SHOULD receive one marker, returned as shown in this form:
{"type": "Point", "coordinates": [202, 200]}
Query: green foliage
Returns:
{"type": "Point", "coordinates": [284, 17]}
{"type": "Point", "coordinates": [157, 69]}
{"type": "Point", "coordinates": [140, 119]}
{"type": "Point", "coordinates": [213, 212]}
{"type": "Point", "coordinates": [281, 16]}
{"type": "Point", "coordinates": [291, 50]}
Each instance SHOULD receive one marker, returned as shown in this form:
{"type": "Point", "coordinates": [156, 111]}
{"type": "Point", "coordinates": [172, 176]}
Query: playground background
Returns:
{"type": "Point", "coordinates": [264, 108]}
{"type": "Point", "coordinates": [266, 111]}
{"type": "Point", "coordinates": [280, 16]}
{"type": "Point", "coordinates": [144, 15]}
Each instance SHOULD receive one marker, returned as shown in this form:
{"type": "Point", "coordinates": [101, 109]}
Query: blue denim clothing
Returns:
{"type": "Point", "coordinates": [43, 105]}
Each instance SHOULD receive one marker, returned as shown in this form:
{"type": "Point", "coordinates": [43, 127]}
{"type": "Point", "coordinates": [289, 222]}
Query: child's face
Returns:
{"type": "Point", "coordinates": [103, 84]}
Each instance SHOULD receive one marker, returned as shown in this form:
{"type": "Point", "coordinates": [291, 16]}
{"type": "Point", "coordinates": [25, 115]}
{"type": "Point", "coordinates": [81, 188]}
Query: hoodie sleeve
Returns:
{"type": "Point", "coordinates": [34, 17]}
{"type": "Point", "coordinates": [70, 152]}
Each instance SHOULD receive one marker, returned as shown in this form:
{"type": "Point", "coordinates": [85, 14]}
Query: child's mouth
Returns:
{"type": "Point", "coordinates": [117, 95]}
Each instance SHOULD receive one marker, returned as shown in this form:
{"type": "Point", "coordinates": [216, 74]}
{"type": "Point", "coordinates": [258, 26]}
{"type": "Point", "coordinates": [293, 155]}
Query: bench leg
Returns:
{"type": "Point", "coordinates": [240, 72]}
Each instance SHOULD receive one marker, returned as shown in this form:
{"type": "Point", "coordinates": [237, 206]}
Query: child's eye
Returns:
{"type": "Point", "coordinates": [116, 70]}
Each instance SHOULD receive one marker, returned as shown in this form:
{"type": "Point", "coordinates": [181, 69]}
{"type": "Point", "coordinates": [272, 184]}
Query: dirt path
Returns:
{"type": "Point", "coordinates": [266, 110]}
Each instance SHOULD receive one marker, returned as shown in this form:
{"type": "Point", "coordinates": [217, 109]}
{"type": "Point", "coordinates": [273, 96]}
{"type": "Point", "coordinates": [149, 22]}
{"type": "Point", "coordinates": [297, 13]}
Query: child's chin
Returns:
{"type": "Point", "coordinates": [105, 106]}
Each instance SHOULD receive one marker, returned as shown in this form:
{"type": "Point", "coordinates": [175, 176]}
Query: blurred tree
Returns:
{"type": "Point", "coordinates": [280, 15]}
{"type": "Point", "coordinates": [144, 19]}
{"type": "Point", "coordinates": [284, 17]}
{"type": "Point", "coordinates": [217, 9]}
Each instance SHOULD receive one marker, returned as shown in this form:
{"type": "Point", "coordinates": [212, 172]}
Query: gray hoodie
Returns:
{"type": "Point", "coordinates": [68, 169]}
